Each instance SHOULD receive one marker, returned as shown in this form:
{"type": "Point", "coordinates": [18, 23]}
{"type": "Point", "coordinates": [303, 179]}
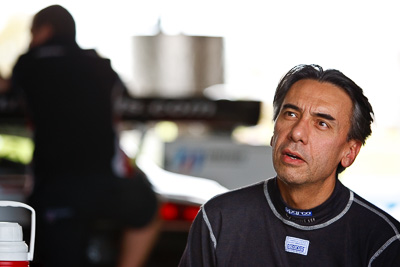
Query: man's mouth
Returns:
{"type": "Point", "coordinates": [292, 156]}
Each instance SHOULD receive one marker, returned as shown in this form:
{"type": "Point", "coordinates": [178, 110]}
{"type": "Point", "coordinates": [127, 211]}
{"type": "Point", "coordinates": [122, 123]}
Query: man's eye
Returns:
{"type": "Point", "coordinates": [290, 114]}
{"type": "Point", "coordinates": [323, 124]}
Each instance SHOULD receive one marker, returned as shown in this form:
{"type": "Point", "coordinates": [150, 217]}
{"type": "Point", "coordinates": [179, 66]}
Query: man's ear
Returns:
{"type": "Point", "coordinates": [351, 153]}
{"type": "Point", "coordinates": [41, 34]}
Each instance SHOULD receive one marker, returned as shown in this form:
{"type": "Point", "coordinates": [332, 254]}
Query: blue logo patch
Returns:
{"type": "Point", "coordinates": [299, 213]}
{"type": "Point", "coordinates": [296, 245]}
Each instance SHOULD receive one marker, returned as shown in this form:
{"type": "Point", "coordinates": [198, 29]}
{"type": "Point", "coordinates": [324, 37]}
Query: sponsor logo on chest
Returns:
{"type": "Point", "coordinates": [296, 245]}
{"type": "Point", "coordinates": [298, 212]}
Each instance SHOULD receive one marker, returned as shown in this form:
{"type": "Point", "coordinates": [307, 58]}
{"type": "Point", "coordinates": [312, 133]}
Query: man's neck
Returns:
{"type": "Point", "coordinates": [306, 196]}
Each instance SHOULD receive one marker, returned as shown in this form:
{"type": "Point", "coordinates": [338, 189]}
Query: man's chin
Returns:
{"type": "Point", "coordinates": [291, 179]}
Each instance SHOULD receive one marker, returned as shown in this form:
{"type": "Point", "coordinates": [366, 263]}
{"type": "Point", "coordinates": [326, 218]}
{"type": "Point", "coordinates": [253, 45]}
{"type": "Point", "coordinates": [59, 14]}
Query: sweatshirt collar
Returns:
{"type": "Point", "coordinates": [326, 213]}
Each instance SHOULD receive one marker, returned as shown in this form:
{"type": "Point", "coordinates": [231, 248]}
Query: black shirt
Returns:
{"type": "Point", "coordinates": [253, 226]}
{"type": "Point", "coordinates": [70, 94]}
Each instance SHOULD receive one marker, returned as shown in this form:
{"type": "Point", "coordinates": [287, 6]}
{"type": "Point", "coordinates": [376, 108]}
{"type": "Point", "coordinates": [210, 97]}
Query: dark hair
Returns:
{"type": "Point", "coordinates": [60, 19]}
{"type": "Point", "coordinates": [362, 116]}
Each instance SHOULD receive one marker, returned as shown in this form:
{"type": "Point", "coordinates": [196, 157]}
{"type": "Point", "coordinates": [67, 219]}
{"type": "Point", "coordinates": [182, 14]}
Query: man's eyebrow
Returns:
{"type": "Point", "coordinates": [291, 106]}
{"type": "Point", "coordinates": [324, 116]}
{"type": "Point", "coordinates": [317, 114]}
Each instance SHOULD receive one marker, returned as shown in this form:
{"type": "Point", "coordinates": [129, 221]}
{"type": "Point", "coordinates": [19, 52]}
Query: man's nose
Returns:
{"type": "Point", "coordinates": [300, 131]}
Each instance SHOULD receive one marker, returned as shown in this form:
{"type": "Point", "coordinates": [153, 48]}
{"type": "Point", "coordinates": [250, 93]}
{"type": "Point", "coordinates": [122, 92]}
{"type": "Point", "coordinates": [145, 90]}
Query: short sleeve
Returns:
{"type": "Point", "coordinates": [200, 247]}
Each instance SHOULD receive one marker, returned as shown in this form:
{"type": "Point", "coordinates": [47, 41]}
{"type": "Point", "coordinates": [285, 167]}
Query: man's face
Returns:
{"type": "Point", "coordinates": [310, 134]}
{"type": "Point", "coordinates": [40, 35]}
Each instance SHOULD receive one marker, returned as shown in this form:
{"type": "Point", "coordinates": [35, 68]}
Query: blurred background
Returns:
{"type": "Point", "coordinates": [253, 43]}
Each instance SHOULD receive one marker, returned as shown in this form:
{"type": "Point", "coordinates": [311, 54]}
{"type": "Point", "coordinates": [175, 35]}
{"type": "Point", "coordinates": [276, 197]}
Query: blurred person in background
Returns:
{"type": "Point", "coordinates": [304, 216]}
{"type": "Point", "coordinates": [80, 174]}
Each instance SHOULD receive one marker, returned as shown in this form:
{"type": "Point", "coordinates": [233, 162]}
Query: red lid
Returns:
{"type": "Point", "coordinates": [14, 263]}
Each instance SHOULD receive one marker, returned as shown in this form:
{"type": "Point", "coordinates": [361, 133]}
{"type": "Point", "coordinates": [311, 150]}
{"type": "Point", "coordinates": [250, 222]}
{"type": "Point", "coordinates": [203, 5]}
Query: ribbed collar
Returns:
{"type": "Point", "coordinates": [328, 212]}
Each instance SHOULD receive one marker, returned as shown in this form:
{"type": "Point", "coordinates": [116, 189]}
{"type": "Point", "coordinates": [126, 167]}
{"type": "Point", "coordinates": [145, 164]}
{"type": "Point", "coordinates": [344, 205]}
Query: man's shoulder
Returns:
{"type": "Point", "coordinates": [375, 216]}
{"type": "Point", "coordinates": [244, 196]}
{"type": "Point", "coordinates": [25, 57]}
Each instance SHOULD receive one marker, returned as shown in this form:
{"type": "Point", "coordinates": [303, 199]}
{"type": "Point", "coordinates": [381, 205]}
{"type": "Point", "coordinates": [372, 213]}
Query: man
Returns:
{"type": "Point", "coordinates": [304, 216]}
{"type": "Point", "coordinates": [70, 95]}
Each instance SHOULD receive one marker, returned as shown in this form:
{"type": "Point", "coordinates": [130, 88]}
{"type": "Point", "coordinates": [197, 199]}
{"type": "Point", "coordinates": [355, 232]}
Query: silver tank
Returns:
{"type": "Point", "coordinates": [176, 66]}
